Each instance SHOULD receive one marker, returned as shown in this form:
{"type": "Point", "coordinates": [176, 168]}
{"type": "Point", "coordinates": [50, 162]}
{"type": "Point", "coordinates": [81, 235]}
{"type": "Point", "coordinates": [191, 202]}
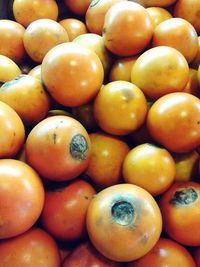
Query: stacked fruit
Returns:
{"type": "Point", "coordinates": [100, 133]}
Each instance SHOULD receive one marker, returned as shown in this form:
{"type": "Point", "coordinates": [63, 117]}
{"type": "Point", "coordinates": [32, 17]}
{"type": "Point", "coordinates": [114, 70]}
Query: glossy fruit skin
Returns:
{"type": "Point", "coordinates": [36, 72]}
{"type": "Point", "coordinates": [149, 167]}
{"type": "Point", "coordinates": [12, 132]}
{"type": "Point", "coordinates": [42, 35]}
{"type": "Point", "coordinates": [158, 3]}
{"type": "Point", "coordinates": [21, 195]}
{"type": "Point", "coordinates": [123, 222]}
{"type": "Point", "coordinates": [96, 12]}
{"type": "Point", "coordinates": [27, 96]}
{"type": "Point", "coordinates": [33, 248]}
{"type": "Point", "coordinates": [118, 34]}
{"type": "Point", "coordinates": [179, 34]}
{"type": "Point", "coordinates": [165, 253]}
{"type": "Point", "coordinates": [105, 166]}
{"type": "Point", "coordinates": [74, 27]}
{"type": "Point", "coordinates": [180, 211]}
{"type": "Point", "coordinates": [85, 74]}
{"type": "Point", "coordinates": [158, 15]}
{"type": "Point", "coordinates": [188, 10]}
{"type": "Point", "coordinates": [176, 130]}
{"type": "Point", "coordinates": [8, 69]}
{"type": "Point", "coordinates": [78, 7]}
{"type": "Point", "coordinates": [159, 71]}
{"type": "Point", "coordinates": [58, 148]}
{"type": "Point", "coordinates": [64, 211]}
{"type": "Point", "coordinates": [85, 255]}
{"type": "Point", "coordinates": [124, 103]}
{"type": "Point", "coordinates": [11, 39]}
{"type": "Point", "coordinates": [27, 11]}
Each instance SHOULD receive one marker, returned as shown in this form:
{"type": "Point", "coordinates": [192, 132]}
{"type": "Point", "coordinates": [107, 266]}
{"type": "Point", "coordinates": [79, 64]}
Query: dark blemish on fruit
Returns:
{"type": "Point", "coordinates": [10, 83]}
{"type": "Point", "coordinates": [144, 238]}
{"type": "Point", "coordinates": [94, 3]}
{"type": "Point", "coordinates": [14, 133]}
{"type": "Point", "coordinates": [86, 197]}
{"type": "Point", "coordinates": [198, 122]}
{"type": "Point", "coordinates": [54, 138]}
{"type": "Point", "coordinates": [184, 197]}
{"type": "Point", "coordinates": [127, 94]}
{"type": "Point", "coordinates": [123, 212]}
{"type": "Point", "coordinates": [78, 147]}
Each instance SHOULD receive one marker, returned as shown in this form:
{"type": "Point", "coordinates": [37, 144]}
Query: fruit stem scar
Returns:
{"type": "Point", "coordinates": [123, 213]}
{"type": "Point", "coordinates": [184, 197]}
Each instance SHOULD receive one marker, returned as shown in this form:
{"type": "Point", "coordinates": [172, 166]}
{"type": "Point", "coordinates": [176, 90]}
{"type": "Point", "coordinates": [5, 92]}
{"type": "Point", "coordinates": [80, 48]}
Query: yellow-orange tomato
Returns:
{"type": "Point", "coordinates": [95, 43]}
{"type": "Point", "coordinates": [58, 148]}
{"type": "Point", "coordinates": [11, 39]}
{"type": "Point", "coordinates": [173, 121]}
{"type": "Point", "coordinates": [149, 167]}
{"type": "Point", "coordinates": [27, 96]}
{"type": "Point", "coordinates": [105, 166]}
{"type": "Point", "coordinates": [41, 35]}
{"type": "Point", "coordinates": [8, 69]}
{"type": "Point", "coordinates": [12, 132]}
{"type": "Point", "coordinates": [180, 212]}
{"type": "Point", "coordinates": [159, 71]}
{"type": "Point", "coordinates": [96, 12]}
{"type": "Point", "coordinates": [118, 33]}
{"type": "Point", "coordinates": [120, 108]}
{"type": "Point", "coordinates": [188, 10]}
{"type": "Point", "coordinates": [196, 61]}
{"type": "Point", "coordinates": [177, 33]}
{"type": "Point", "coordinates": [36, 72]}
{"type": "Point", "coordinates": [74, 27]}
{"type": "Point", "coordinates": [123, 222]}
{"type": "Point", "coordinates": [27, 11]}
{"type": "Point", "coordinates": [166, 252]}
{"type": "Point", "coordinates": [21, 195]}
{"type": "Point", "coordinates": [186, 166]}
{"type": "Point", "coordinates": [159, 3]}
{"type": "Point", "coordinates": [73, 74]}
{"type": "Point", "coordinates": [121, 69]}
{"type": "Point", "coordinates": [33, 248]}
{"type": "Point", "coordinates": [158, 15]}
{"type": "Point", "coordinates": [192, 86]}
{"type": "Point", "coordinates": [78, 7]}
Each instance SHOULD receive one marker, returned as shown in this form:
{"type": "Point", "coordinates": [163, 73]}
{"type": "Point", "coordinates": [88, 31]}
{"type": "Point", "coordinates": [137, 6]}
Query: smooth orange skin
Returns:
{"type": "Point", "coordinates": [85, 255]}
{"type": "Point", "coordinates": [118, 34]}
{"type": "Point", "coordinates": [105, 166]}
{"type": "Point", "coordinates": [158, 15]}
{"type": "Point", "coordinates": [181, 222]}
{"type": "Point", "coordinates": [21, 195]}
{"type": "Point", "coordinates": [165, 253]}
{"type": "Point", "coordinates": [160, 70]}
{"type": "Point", "coordinates": [84, 74]}
{"type": "Point", "coordinates": [192, 86]}
{"type": "Point", "coordinates": [179, 34]}
{"type": "Point", "coordinates": [8, 69]}
{"type": "Point", "coordinates": [42, 35]}
{"type": "Point", "coordinates": [149, 167]}
{"type": "Point", "coordinates": [78, 7]}
{"type": "Point", "coordinates": [173, 121]}
{"type": "Point", "coordinates": [27, 11]}
{"type": "Point", "coordinates": [11, 39]}
{"type": "Point", "coordinates": [127, 242]}
{"type": "Point", "coordinates": [121, 69]}
{"type": "Point", "coordinates": [124, 103]}
{"type": "Point", "coordinates": [36, 72]}
{"type": "Point", "coordinates": [48, 148]}
{"type": "Point", "coordinates": [158, 3]}
{"type": "Point", "coordinates": [12, 132]}
{"type": "Point", "coordinates": [33, 248]}
{"type": "Point", "coordinates": [27, 96]}
{"type": "Point", "coordinates": [186, 166]}
{"type": "Point", "coordinates": [196, 61]}
{"type": "Point", "coordinates": [64, 211]}
{"type": "Point", "coordinates": [188, 10]}
{"type": "Point", "coordinates": [95, 43]}
{"type": "Point", "coordinates": [95, 14]}
{"type": "Point", "coordinates": [74, 27]}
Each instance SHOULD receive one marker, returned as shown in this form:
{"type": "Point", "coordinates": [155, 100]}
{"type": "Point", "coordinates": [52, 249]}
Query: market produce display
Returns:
{"type": "Point", "coordinates": [100, 133]}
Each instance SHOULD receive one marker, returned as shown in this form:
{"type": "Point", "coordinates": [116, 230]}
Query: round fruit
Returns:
{"type": "Point", "coordinates": [8, 69]}
{"type": "Point", "coordinates": [74, 27]}
{"type": "Point", "coordinates": [158, 15]}
{"type": "Point", "coordinates": [78, 7]}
